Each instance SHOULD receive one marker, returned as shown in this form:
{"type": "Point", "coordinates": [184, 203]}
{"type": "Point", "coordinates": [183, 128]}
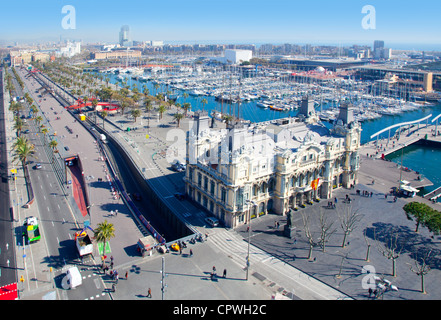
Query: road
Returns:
{"type": "Point", "coordinates": [46, 261]}
{"type": "Point", "coordinates": [7, 256]}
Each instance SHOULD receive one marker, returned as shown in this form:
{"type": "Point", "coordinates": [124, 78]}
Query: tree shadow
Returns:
{"type": "Point", "coordinates": [408, 241]}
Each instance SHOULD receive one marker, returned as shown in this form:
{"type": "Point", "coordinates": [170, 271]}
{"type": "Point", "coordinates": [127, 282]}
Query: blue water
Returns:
{"type": "Point", "coordinates": [422, 159]}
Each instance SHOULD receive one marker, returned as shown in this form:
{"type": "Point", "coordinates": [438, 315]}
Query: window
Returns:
{"type": "Point", "coordinates": [223, 195]}
{"type": "Point", "coordinates": [205, 183]}
{"type": "Point", "coordinates": [212, 186]}
{"type": "Point", "coordinates": [199, 179]}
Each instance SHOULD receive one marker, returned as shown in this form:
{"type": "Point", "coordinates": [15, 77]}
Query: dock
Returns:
{"type": "Point", "coordinates": [433, 195]}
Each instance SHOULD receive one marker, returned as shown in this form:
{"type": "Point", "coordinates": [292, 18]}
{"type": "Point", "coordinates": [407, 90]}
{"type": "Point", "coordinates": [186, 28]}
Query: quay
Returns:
{"type": "Point", "coordinates": [387, 174]}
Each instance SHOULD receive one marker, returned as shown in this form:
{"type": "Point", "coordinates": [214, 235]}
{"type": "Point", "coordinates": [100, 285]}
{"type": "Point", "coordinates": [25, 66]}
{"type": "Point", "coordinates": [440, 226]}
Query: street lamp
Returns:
{"type": "Point", "coordinates": [249, 235]}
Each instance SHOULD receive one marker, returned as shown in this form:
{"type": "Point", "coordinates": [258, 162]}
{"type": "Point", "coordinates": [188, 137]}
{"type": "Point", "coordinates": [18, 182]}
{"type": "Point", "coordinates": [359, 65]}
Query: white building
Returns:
{"type": "Point", "coordinates": [237, 56]}
{"type": "Point", "coordinates": [246, 171]}
{"type": "Point", "coordinates": [71, 49]}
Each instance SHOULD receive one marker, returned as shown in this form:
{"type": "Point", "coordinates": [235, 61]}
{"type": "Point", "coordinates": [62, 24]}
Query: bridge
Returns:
{"type": "Point", "coordinates": [409, 125]}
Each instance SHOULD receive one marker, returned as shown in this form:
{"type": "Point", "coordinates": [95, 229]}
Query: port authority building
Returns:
{"type": "Point", "coordinates": [247, 170]}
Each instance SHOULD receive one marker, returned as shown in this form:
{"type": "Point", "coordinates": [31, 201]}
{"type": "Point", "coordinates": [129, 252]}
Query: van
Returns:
{"type": "Point", "coordinates": [74, 278]}
{"type": "Point", "coordinates": [213, 222]}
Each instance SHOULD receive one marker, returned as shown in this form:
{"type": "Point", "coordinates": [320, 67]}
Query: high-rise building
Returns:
{"type": "Point", "coordinates": [378, 44]}
{"type": "Point", "coordinates": [124, 36]}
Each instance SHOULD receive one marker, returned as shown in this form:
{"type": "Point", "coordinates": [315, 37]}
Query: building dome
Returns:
{"type": "Point", "coordinates": [320, 69]}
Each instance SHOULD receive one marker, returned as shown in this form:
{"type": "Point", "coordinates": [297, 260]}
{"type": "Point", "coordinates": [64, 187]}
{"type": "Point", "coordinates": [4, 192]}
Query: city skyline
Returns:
{"type": "Point", "coordinates": [402, 25]}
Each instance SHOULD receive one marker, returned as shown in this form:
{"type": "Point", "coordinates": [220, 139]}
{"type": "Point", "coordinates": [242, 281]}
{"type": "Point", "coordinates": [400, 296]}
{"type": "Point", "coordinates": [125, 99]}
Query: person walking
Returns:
{"type": "Point", "coordinates": [191, 253]}
{"type": "Point", "coordinates": [127, 275]}
{"type": "Point", "coordinates": [149, 293]}
{"type": "Point", "coordinates": [225, 273]}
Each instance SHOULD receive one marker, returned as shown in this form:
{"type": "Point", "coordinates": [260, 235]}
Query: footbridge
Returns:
{"type": "Point", "coordinates": [402, 127]}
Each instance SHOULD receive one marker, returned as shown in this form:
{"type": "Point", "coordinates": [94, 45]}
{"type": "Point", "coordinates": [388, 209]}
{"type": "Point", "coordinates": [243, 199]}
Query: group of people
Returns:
{"type": "Point", "coordinates": [213, 273]}
{"type": "Point", "coordinates": [365, 193]}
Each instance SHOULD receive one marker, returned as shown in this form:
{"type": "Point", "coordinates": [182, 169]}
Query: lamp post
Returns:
{"type": "Point", "coordinates": [249, 235]}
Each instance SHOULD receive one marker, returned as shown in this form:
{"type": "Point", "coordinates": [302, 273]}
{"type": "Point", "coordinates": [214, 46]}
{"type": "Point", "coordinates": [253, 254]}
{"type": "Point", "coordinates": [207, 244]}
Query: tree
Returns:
{"type": "Point", "coordinates": [204, 102]}
{"type": "Point", "coordinates": [23, 150]}
{"type": "Point", "coordinates": [421, 269]}
{"type": "Point", "coordinates": [103, 233]}
{"type": "Point", "coordinates": [161, 110]}
{"type": "Point", "coordinates": [104, 114]}
{"type": "Point", "coordinates": [308, 235]}
{"type": "Point", "coordinates": [148, 107]}
{"type": "Point", "coordinates": [186, 107]}
{"type": "Point", "coordinates": [348, 221]}
{"type": "Point", "coordinates": [420, 212]}
{"type": "Point", "coordinates": [19, 125]}
{"type": "Point", "coordinates": [391, 249]}
{"type": "Point", "coordinates": [136, 113]}
{"type": "Point", "coordinates": [178, 117]}
{"type": "Point", "coordinates": [53, 144]}
{"type": "Point", "coordinates": [227, 118]}
{"type": "Point", "coordinates": [325, 230]}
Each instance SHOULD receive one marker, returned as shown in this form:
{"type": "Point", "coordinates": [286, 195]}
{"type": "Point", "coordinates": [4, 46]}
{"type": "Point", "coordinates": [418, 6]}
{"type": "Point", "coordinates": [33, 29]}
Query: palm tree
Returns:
{"type": "Point", "coordinates": [38, 120]}
{"type": "Point", "coordinates": [148, 107]}
{"type": "Point", "coordinates": [53, 144]}
{"type": "Point", "coordinates": [23, 151]}
{"type": "Point", "coordinates": [103, 233]}
{"type": "Point", "coordinates": [187, 106]}
{"type": "Point", "coordinates": [161, 110]}
{"type": "Point", "coordinates": [19, 125]}
{"type": "Point", "coordinates": [204, 102]}
{"type": "Point", "coordinates": [104, 114]}
{"type": "Point", "coordinates": [136, 113]}
{"type": "Point", "coordinates": [178, 116]}
{"type": "Point", "coordinates": [227, 118]}
{"type": "Point", "coordinates": [44, 131]}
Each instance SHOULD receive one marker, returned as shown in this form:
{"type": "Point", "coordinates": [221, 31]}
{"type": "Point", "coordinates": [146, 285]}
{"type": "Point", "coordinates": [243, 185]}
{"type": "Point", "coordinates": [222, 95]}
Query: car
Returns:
{"type": "Point", "coordinates": [66, 148]}
{"type": "Point", "coordinates": [38, 166]}
{"type": "Point", "coordinates": [213, 222]}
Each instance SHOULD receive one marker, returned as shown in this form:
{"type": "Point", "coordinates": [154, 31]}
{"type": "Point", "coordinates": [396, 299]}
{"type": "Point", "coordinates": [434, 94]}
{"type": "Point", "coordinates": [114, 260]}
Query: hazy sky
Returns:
{"type": "Point", "coordinates": [256, 21]}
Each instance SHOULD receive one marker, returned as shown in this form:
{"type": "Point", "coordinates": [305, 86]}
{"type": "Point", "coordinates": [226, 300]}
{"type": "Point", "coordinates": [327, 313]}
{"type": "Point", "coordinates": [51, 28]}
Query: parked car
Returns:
{"type": "Point", "coordinates": [213, 222]}
{"type": "Point", "coordinates": [38, 166]}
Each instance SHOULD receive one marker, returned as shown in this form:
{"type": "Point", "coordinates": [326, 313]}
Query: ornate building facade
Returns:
{"type": "Point", "coordinates": [247, 170]}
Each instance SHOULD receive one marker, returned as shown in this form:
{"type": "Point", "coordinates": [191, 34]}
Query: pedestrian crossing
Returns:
{"type": "Point", "coordinates": [236, 247]}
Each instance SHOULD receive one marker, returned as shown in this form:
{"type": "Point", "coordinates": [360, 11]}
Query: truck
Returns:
{"type": "Point", "coordinates": [74, 278]}
{"type": "Point", "coordinates": [83, 242]}
{"type": "Point", "coordinates": [103, 138]}
{"type": "Point", "coordinates": [32, 231]}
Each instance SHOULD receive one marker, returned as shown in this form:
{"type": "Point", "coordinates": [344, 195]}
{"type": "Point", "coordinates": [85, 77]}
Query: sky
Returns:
{"type": "Point", "coordinates": [397, 22]}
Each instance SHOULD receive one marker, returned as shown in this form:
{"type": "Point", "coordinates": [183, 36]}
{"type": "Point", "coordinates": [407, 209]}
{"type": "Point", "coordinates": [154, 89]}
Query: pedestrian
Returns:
{"type": "Point", "coordinates": [191, 253]}
{"type": "Point", "coordinates": [113, 287]}
{"type": "Point", "coordinates": [335, 200]}
{"type": "Point", "coordinates": [127, 275]}
{"type": "Point", "coordinates": [370, 292]}
{"type": "Point", "coordinates": [225, 273]}
{"type": "Point", "coordinates": [385, 196]}
{"type": "Point", "coordinates": [371, 194]}
{"type": "Point", "coordinates": [149, 293]}
{"type": "Point", "coordinates": [214, 269]}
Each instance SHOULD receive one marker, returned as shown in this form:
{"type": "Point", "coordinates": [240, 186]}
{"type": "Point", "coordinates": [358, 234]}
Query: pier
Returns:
{"type": "Point", "coordinates": [387, 175]}
{"type": "Point", "coordinates": [435, 194]}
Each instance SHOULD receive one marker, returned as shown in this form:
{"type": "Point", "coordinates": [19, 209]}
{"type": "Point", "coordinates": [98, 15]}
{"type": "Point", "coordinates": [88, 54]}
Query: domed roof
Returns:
{"type": "Point", "coordinates": [320, 69]}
